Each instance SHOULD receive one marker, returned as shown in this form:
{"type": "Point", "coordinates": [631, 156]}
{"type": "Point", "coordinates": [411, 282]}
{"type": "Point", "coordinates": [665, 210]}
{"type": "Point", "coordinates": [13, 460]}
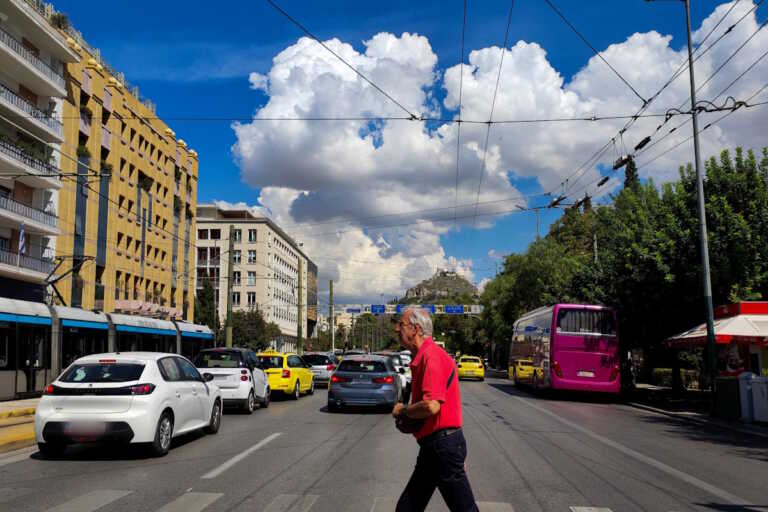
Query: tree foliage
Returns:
{"type": "Point", "coordinates": [647, 262]}
{"type": "Point", "coordinates": [205, 307]}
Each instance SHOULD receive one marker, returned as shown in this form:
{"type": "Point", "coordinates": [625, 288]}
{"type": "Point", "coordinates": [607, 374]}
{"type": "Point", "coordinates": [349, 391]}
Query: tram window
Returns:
{"type": "Point", "coordinates": [4, 352]}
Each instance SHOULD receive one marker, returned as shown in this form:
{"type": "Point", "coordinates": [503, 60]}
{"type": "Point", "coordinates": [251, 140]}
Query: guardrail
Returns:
{"type": "Point", "coordinates": [15, 152]}
{"type": "Point", "coordinates": [46, 69]}
{"type": "Point", "coordinates": [30, 212]}
{"type": "Point", "coordinates": [22, 104]}
{"type": "Point", "coordinates": [27, 262]}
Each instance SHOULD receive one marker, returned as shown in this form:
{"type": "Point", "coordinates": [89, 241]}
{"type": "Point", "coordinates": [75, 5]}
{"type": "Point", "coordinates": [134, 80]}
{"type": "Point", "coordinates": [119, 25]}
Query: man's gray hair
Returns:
{"type": "Point", "coordinates": [421, 318]}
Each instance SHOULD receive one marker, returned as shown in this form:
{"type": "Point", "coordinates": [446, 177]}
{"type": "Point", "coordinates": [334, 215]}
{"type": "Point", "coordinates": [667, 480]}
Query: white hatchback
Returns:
{"type": "Point", "coordinates": [129, 397]}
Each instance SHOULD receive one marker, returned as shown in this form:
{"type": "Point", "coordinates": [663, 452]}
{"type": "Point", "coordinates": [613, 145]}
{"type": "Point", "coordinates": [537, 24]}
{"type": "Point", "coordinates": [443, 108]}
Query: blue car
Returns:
{"type": "Point", "coordinates": [364, 380]}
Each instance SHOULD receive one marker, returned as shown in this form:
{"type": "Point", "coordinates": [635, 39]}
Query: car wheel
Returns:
{"type": "Point", "coordinates": [215, 422]}
{"type": "Point", "coordinates": [163, 435]}
{"type": "Point", "coordinates": [267, 397]}
{"type": "Point", "coordinates": [250, 403]}
{"type": "Point", "coordinates": [51, 450]}
{"type": "Point", "coordinates": [311, 388]}
{"type": "Point", "coordinates": [296, 391]}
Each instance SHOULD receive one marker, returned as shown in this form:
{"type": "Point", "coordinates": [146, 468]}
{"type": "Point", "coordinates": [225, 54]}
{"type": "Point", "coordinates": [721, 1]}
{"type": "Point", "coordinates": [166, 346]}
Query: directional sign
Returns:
{"type": "Point", "coordinates": [378, 309]}
{"type": "Point", "coordinates": [354, 310]}
{"type": "Point", "coordinates": [454, 309]}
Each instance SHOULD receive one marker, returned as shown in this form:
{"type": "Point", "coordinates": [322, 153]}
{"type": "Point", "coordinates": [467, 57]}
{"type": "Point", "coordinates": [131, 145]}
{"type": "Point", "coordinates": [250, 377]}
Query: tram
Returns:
{"type": "Point", "coordinates": [38, 341]}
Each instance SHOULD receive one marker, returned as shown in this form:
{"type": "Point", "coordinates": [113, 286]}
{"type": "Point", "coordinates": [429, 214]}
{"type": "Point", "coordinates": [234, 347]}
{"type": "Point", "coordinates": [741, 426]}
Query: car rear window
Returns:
{"type": "Point", "coordinates": [219, 359]}
{"type": "Point", "coordinates": [362, 366]}
{"type": "Point", "coordinates": [316, 359]}
{"type": "Point", "coordinates": [470, 360]}
{"type": "Point", "coordinates": [95, 372]}
{"type": "Point", "coordinates": [271, 362]}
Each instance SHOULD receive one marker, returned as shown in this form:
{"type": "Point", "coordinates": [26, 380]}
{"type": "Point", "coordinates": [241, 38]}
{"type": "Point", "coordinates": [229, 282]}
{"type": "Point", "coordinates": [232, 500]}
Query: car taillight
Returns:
{"type": "Point", "coordinates": [244, 378]}
{"type": "Point", "coordinates": [558, 370]}
{"type": "Point", "coordinates": [49, 390]}
{"type": "Point", "coordinates": [286, 374]}
{"type": "Point", "coordinates": [336, 378]}
{"type": "Point", "coordinates": [614, 372]}
{"type": "Point", "coordinates": [330, 367]}
{"type": "Point", "coordinates": [384, 380]}
{"type": "Point", "coordinates": [244, 372]}
{"type": "Point", "coordinates": [142, 389]}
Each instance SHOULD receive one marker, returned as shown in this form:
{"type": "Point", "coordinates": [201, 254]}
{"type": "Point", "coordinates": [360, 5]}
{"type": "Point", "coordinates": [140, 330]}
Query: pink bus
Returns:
{"type": "Point", "coordinates": [567, 346]}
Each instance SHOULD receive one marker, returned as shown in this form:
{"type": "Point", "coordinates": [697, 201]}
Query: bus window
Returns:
{"type": "Point", "coordinates": [586, 321]}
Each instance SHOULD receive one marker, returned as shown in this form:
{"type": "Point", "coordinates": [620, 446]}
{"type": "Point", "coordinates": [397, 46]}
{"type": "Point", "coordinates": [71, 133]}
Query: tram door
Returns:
{"type": "Point", "coordinates": [34, 351]}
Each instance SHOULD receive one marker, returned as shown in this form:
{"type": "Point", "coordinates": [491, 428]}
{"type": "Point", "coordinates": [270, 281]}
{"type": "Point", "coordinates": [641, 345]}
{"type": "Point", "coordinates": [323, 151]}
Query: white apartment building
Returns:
{"type": "Point", "coordinates": [266, 265]}
{"type": "Point", "coordinates": [32, 85]}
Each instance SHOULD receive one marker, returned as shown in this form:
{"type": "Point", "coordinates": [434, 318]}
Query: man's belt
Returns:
{"type": "Point", "coordinates": [438, 434]}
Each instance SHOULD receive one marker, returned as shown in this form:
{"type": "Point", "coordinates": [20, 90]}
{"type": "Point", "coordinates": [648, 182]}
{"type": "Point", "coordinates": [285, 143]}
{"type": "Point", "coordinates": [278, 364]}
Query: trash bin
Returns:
{"type": "Point", "coordinates": [727, 403]}
{"type": "Point", "coordinates": [745, 396]}
{"type": "Point", "coordinates": [760, 399]}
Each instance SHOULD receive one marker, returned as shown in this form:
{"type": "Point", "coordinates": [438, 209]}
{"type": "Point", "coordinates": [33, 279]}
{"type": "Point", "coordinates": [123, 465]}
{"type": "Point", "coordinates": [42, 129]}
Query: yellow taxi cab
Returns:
{"type": "Point", "coordinates": [522, 370]}
{"type": "Point", "coordinates": [287, 373]}
{"type": "Point", "coordinates": [471, 367]}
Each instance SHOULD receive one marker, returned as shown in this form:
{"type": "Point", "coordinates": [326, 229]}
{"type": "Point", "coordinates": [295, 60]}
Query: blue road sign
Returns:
{"type": "Point", "coordinates": [454, 309]}
{"type": "Point", "coordinates": [354, 310]}
{"type": "Point", "coordinates": [400, 307]}
{"type": "Point", "coordinates": [378, 309]}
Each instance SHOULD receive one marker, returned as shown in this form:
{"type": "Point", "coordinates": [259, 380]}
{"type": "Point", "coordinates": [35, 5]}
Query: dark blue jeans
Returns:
{"type": "Point", "coordinates": [440, 464]}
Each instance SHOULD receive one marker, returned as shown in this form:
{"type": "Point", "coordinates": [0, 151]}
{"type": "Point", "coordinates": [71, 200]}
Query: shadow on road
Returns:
{"type": "Point", "coordinates": [357, 410]}
{"type": "Point", "coordinates": [733, 508]}
{"type": "Point", "coordinates": [555, 396]}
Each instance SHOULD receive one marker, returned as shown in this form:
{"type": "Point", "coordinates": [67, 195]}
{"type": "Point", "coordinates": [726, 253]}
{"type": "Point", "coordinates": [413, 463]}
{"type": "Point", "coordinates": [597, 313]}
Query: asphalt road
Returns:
{"type": "Point", "coordinates": [526, 453]}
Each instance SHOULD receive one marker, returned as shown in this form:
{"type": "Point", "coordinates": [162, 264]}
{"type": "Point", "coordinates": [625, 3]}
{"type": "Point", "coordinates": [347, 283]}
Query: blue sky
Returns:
{"type": "Point", "coordinates": [193, 59]}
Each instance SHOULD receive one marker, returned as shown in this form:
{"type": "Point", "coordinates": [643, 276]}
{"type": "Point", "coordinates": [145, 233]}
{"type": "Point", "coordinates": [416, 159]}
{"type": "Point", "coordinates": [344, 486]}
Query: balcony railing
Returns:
{"type": "Point", "coordinates": [15, 152]}
{"type": "Point", "coordinates": [6, 203]}
{"type": "Point", "coordinates": [8, 40]}
{"type": "Point", "coordinates": [17, 101]}
{"type": "Point", "coordinates": [27, 262]}
{"type": "Point", "coordinates": [85, 124]}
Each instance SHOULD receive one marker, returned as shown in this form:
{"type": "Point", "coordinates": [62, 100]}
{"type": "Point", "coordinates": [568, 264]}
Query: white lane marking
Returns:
{"type": "Point", "coordinates": [589, 509]}
{"type": "Point", "coordinates": [8, 494]}
{"type": "Point", "coordinates": [492, 506]}
{"type": "Point", "coordinates": [16, 456]}
{"type": "Point", "coordinates": [237, 458]}
{"type": "Point", "coordinates": [191, 502]}
{"type": "Point", "coordinates": [384, 504]}
{"type": "Point", "coordinates": [91, 501]}
{"type": "Point", "coordinates": [292, 503]}
{"type": "Point", "coordinates": [685, 477]}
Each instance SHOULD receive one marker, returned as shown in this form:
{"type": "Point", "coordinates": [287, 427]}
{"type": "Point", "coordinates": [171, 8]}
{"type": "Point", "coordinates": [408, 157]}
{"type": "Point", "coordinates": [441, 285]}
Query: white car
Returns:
{"type": "Point", "coordinates": [129, 397]}
{"type": "Point", "coordinates": [236, 372]}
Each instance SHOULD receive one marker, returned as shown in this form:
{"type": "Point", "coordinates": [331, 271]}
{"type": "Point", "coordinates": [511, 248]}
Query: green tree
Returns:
{"type": "Point", "coordinates": [631, 178]}
{"type": "Point", "coordinates": [248, 328]}
{"type": "Point", "coordinates": [205, 307]}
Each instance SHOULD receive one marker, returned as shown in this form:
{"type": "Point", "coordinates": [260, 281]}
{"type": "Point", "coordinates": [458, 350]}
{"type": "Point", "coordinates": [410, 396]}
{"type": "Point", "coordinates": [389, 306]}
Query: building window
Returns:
{"type": "Point", "coordinates": [251, 298]}
{"type": "Point", "coordinates": [236, 278]}
{"type": "Point", "coordinates": [251, 256]}
{"type": "Point", "coordinates": [238, 234]}
{"type": "Point", "coordinates": [236, 257]}
{"type": "Point", "coordinates": [202, 234]}
{"type": "Point", "coordinates": [215, 234]}
{"type": "Point", "coordinates": [235, 298]}
{"type": "Point", "coordinates": [251, 278]}
{"type": "Point", "coordinates": [251, 235]}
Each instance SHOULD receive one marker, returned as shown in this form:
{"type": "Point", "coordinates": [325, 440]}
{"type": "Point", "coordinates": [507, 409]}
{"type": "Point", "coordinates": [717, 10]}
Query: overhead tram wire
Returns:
{"type": "Point", "coordinates": [594, 50]}
{"type": "Point", "coordinates": [493, 106]}
{"type": "Point", "coordinates": [458, 126]}
{"type": "Point", "coordinates": [304, 29]}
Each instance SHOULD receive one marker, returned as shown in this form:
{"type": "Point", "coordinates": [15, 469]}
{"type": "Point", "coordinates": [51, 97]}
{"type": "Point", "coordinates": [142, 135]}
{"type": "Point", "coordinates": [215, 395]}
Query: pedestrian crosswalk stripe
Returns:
{"type": "Point", "coordinates": [492, 506]}
{"type": "Point", "coordinates": [589, 509]}
{"type": "Point", "coordinates": [292, 503]}
{"type": "Point", "coordinates": [191, 502]}
{"type": "Point", "coordinates": [11, 493]}
{"type": "Point", "coordinates": [91, 501]}
{"type": "Point", "coordinates": [384, 504]}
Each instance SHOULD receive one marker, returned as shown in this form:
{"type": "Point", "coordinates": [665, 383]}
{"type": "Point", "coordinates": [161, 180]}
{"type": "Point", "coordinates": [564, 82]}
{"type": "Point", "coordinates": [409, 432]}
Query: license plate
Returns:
{"type": "Point", "coordinates": [586, 374]}
{"type": "Point", "coordinates": [85, 429]}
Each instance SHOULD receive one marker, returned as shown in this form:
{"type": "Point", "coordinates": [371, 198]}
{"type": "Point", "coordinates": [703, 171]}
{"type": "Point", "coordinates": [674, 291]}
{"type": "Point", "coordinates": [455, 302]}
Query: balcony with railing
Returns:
{"type": "Point", "coordinates": [107, 105]}
{"type": "Point", "coordinates": [85, 123]}
{"type": "Point", "coordinates": [46, 218]}
{"type": "Point", "coordinates": [14, 46]}
{"type": "Point", "coordinates": [22, 160]}
{"type": "Point", "coordinates": [106, 138]}
{"type": "Point", "coordinates": [31, 114]}
{"type": "Point", "coordinates": [22, 261]}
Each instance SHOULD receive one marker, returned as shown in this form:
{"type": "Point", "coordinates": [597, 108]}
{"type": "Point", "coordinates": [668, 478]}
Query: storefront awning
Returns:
{"type": "Point", "coordinates": [24, 312]}
{"type": "Point", "coordinates": [748, 325]}
{"type": "Point", "coordinates": [81, 318]}
{"type": "Point", "coordinates": [194, 330]}
{"type": "Point", "coordinates": [142, 325]}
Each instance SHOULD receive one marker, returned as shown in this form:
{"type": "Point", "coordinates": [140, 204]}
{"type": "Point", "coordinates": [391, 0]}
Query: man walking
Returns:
{"type": "Point", "coordinates": [436, 401]}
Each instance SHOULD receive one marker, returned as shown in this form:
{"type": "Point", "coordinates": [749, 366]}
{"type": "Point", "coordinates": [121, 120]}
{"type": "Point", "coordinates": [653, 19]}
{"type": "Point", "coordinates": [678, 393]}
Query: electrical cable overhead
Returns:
{"type": "Point", "coordinates": [458, 126]}
{"type": "Point", "coordinates": [594, 50]}
{"type": "Point", "coordinates": [493, 106]}
{"type": "Point", "coordinates": [304, 29]}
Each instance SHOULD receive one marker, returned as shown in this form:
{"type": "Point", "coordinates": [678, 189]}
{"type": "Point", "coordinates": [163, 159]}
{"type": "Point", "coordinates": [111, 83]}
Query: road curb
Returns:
{"type": "Point", "coordinates": [15, 413]}
{"type": "Point", "coordinates": [699, 420]}
{"type": "Point", "coordinates": [17, 436]}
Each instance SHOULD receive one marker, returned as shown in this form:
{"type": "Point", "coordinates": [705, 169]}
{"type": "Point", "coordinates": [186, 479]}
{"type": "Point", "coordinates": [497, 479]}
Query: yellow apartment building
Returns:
{"type": "Point", "coordinates": [127, 203]}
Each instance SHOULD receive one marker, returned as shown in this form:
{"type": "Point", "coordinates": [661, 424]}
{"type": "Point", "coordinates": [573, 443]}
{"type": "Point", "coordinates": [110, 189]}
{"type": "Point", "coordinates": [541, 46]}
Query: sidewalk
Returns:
{"type": "Point", "coordinates": [16, 424]}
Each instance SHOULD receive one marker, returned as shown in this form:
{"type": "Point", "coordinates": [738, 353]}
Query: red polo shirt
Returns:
{"type": "Point", "coordinates": [431, 369]}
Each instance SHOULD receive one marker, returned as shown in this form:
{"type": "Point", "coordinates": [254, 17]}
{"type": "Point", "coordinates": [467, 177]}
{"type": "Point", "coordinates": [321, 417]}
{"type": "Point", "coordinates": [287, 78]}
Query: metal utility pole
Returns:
{"type": "Point", "coordinates": [332, 320]}
{"type": "Point", "coordinates": [230, 278]}
{"type": "Point", "coordinates": [704, 249]}
{"type": "Point", "coordinates": [299, 330]}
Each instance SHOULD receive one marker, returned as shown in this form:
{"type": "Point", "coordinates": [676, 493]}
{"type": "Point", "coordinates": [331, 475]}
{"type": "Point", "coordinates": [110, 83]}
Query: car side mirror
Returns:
{"type": "Point", "coordinates": [207, 377]}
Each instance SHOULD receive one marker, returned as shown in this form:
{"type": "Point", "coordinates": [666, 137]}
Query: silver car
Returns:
{"type": "Point", "coordinates": [322, 366]}
{"type": "Point", "coordinates": [368, 380]}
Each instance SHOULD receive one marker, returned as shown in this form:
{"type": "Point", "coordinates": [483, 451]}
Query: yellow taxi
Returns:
{"type": "Point", "coordinates": [471, 367]}
{"type": "Point", "coordinates": [287, 373]}
{"type": "Point", "coordinates": [522, 370]}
